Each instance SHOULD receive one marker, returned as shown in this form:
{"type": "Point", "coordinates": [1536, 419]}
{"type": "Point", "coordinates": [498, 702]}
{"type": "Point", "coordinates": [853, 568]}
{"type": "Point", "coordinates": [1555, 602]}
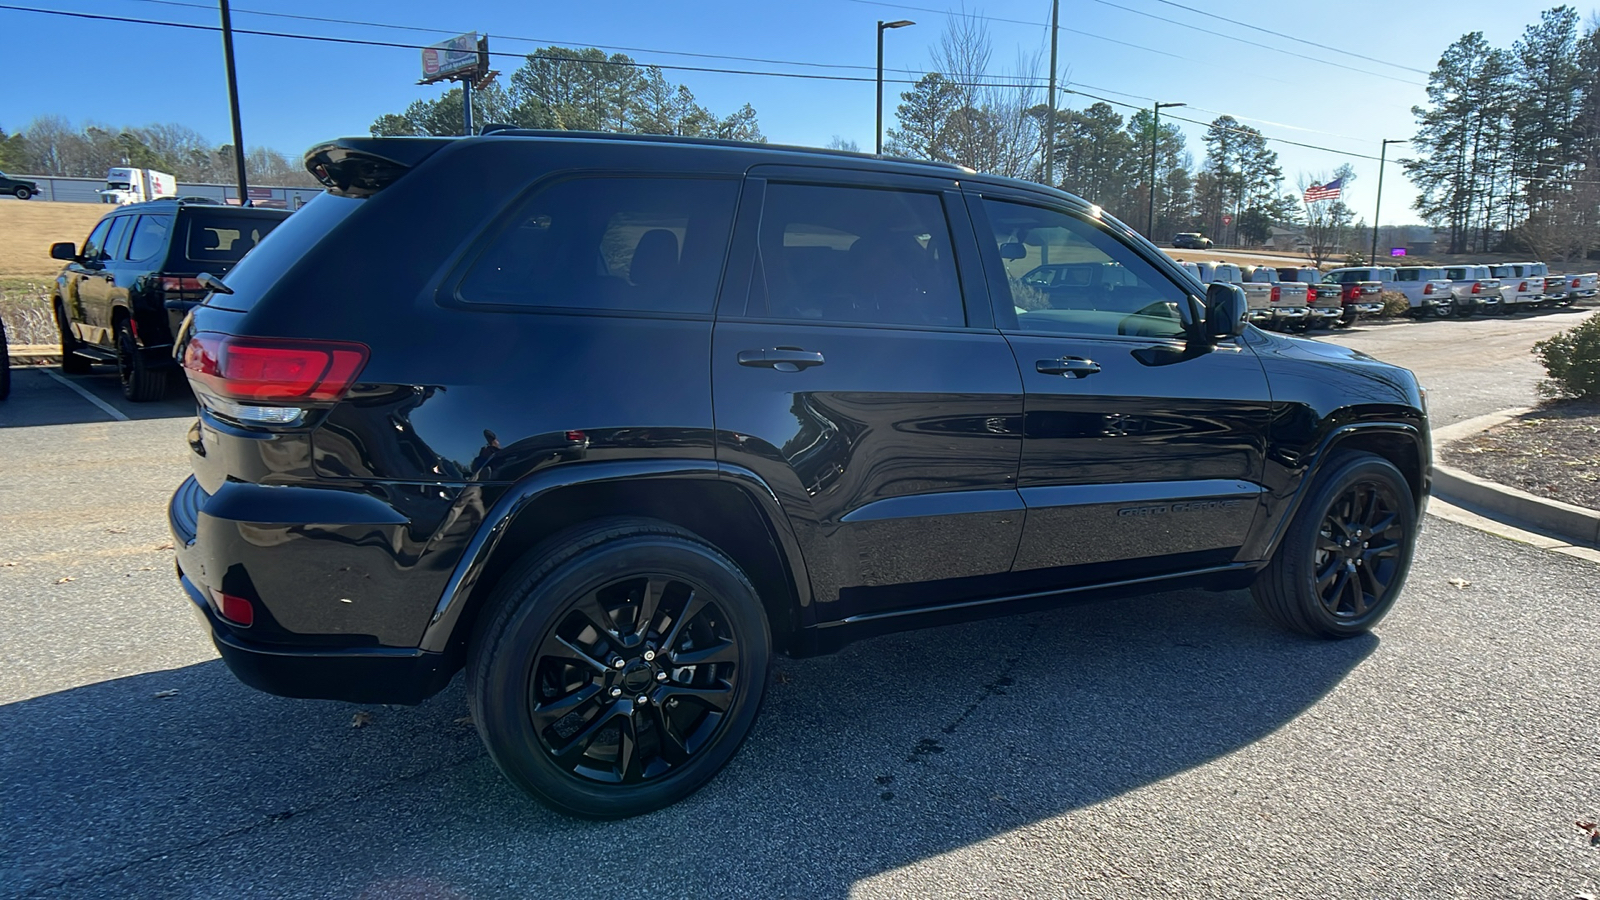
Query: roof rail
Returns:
{"type": "Point", "coordinates": [503, 130]}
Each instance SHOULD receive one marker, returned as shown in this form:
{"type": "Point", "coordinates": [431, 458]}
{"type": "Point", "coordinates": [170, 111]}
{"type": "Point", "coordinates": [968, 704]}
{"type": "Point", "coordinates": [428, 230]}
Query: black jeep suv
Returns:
{"type": "Point", "coordinates": [122, 293]}
{"type": "Point", "coordinates": [607, 421]}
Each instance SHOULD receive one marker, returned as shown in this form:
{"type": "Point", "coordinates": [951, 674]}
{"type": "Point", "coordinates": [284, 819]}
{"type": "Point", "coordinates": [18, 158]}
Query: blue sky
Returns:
{"type": "Point", "coordinates": [295, 93]}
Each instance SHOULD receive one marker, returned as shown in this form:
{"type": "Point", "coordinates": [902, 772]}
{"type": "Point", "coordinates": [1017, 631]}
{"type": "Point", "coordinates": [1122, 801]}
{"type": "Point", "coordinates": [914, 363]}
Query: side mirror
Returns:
{"type": "Point", "coordinates": [63, 250]}
{"type": "Point", "coordinates": [1226, 309]}
{"type": "Point", "coordinates": [1012, 250]}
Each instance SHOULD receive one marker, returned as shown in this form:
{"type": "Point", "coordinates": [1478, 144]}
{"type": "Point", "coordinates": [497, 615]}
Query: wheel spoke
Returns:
{"type": "Point", "coordinates": [590, 608]}
{"type": "Point", "coordinates": [692, 605]}
{"type": "Point", "coordinates": [630, 769]}
{"type": "Point", "coordinates": [1376, 586]}
{"type": "Point", "coordinates": [546, 714]}
{"type": "Point", "coordinates": [1335, 566]}
{"type": "Point", "coordinates": [1358, 596]}
{"type": "Point", "coordinates": [716, 699]}
{"type": "Point", "coordinates": [557, 647]}
{"type": "Point", "coordinates": [1384, 525]}
{"type": "Point", "coordinates": [649, 603]}
{"type": "Point", "coordinates": [1381, 551]}
{"type": "Point", "coordinates": [569, 753]}
{"type": "Point", "coordinates": [671, 744]}
{"type": "Point", "coordinates": [1327, 543]}
{"type": "Point", "coordinates": [726, 651]}
{"type": "Point", "coordinates": [1333, 596]}
{"type": "Point", "coordinates": [1371, 511]}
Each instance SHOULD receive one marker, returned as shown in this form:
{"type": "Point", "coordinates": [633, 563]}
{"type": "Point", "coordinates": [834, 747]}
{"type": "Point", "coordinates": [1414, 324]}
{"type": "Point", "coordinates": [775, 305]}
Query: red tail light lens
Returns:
{"type": "Point", "coordinates": [273, 369]}
{"type": "Point", "coordinates": [178, 284]}
{"type": "Point", "coordinates": [1276, 292]}
{"type": "Point", "coordinates": [1574, 282]}
{"type": "Point", "coordinates": [237, 610]}
{"type": "Point", "coordinates": [1523, 286]}
{"type": "Point", "coordinates": [1477, 286]}
{"type": "Point", "coordinates": [1311, 294]}
{"type": "Point", "coordinates": [1427, 289]}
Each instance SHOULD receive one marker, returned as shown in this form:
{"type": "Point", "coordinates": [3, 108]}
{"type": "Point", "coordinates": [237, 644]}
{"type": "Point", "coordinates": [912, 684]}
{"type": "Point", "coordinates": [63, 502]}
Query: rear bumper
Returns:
{"type": "Point", "coordinates": [357, 675]}
{"type": "Point", "coordinates": [1290, 314]}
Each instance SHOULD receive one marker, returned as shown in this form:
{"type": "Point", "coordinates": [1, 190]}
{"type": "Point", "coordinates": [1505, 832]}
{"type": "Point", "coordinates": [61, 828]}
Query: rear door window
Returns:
{"type": "Point", "coordinates": [832, 254]}
{"type": "Point", "coordinates": [610, 242]}
{"type": "Point", "coordinates": [117, 236]}
{"type": "Point", "coordinates": [149, 237]}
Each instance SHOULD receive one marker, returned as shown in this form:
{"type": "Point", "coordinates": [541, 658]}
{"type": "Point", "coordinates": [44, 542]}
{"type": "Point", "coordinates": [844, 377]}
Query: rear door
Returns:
{"type": "Point", "coordinates": [1141, 454]}
{"type": "Point", "coordinates": [857, 372]}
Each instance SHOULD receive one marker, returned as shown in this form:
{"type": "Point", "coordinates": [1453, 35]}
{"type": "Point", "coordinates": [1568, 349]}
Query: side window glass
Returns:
{"type": "Point", "coordinates": [844, 254]}
{"type": "Point", "coordinates": [1097, 284]}
{"type": "Point", "coordinates": [115, 239]}
{"type": "Point", "coordinates": [620, 243]}
{"type": "Point", "coordinates": [94, 245]}
{"type": "Point", "coordinates": [1405, 275]}
{"type": "Point", "coordinates": [149, 237]}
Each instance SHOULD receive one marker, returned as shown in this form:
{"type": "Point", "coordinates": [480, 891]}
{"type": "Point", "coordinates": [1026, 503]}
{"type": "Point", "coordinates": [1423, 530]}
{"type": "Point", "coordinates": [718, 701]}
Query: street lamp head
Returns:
{"type": "Point", "coordinates": [1169, 105]}
{"type": "Point", "coordinates": [898, 23]}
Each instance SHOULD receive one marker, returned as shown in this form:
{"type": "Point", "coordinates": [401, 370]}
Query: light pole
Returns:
{"type": "Point", "coordinates": [233, 101]}
{"type": "Point", "coordinates": [1155, 140]}
{"type": "Point", "coordinates": [1382, 156]}
{"type": "Point", "coordinates": [882, 27]}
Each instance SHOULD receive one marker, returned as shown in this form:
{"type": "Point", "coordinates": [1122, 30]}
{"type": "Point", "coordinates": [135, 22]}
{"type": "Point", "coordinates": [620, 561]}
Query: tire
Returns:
{"type": "Point", "coordinates": [5, 364]}
{"type": "Point", "coordinates": [1463, 311]}
{"type": "Point", "coordinates": [71, 362]}
{"type": "Point", "coordinates": [561, 637]}
{"type": "Point", "coordinates": [1325, 580]}
{"type": "Point", "coordinates": [140, 383]}
{"type": "Point", "coordinates": [1443, 310]}
{"type": "Point", "coordinates": [22, 192]}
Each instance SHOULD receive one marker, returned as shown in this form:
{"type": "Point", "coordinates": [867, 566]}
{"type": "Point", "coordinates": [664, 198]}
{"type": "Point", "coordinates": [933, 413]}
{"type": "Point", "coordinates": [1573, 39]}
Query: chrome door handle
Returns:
{"type": "Point", "coordinates": [1070, 366]}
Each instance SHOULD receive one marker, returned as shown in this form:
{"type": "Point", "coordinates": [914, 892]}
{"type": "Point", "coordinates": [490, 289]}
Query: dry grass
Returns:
{"type": "Point", "coordinates": [25, 309]}
{"type": "Point", "coordinates": [28, 228]}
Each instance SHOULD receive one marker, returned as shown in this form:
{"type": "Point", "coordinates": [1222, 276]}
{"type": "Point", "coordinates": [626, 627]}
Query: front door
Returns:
{"type": "Point", "coordinates": [88, 283]}
{"type": "Point", "coordinates": [1143, 450]}
{"type": "Point", "coordinates": [861, 378]}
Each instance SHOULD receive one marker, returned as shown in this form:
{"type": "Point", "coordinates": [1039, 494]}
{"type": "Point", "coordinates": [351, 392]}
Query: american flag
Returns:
{"type": "Point", "coordinates": [1329, 191]}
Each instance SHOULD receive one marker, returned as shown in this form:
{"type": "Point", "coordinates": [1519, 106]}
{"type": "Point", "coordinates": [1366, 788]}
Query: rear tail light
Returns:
{"type": "Point", "coordinates": [1477, 286]}
{"type": "Point", "coordinates": [1276, 292]}
{"type": "Point", "coordinates": [1427, 289]}
{"type": "Point", "coordinates": [266, 381]}
{"type": "Point", "coordinates": [1311, 294]}
{"type": "Point", "coordinates": [1523, 286]}
{"type": "Point", "coordinates": [1574, 282]}
{"type": "Point", "coordinates": [237, 610]}
{"type": "Point", "coordinates": [180, 284]}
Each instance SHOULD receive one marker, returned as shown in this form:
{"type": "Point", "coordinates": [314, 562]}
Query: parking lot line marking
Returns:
{"type": "Point", "coordinates": [105, 407]}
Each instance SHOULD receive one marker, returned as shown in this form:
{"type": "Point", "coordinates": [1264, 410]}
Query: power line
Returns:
{"type": "Point", "coordinates": [1297, 54]}
{"type": "Point", "coordinates": [1288, 37]}
{"type": "Point", "coordinates": [1017, 83]}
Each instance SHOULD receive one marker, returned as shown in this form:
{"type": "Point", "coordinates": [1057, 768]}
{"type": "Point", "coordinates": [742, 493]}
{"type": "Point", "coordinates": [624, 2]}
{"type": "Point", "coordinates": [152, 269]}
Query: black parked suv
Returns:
{"type": "Point", "coordinates": [607, 421]}
{"type": "Point", "coordinates": [122, 293]}
{"type": "Point", "coordinates": [17, 187]}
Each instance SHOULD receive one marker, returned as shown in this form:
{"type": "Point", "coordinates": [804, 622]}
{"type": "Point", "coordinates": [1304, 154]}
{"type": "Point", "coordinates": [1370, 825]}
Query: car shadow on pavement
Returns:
{"type": "Point", "coordinates": [185, 782]}
{"type": "Point", "coordinates": [47, 397]}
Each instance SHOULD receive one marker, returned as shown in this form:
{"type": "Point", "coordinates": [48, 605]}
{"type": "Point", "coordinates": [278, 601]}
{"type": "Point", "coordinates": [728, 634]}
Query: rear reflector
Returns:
{"type": "Point", "coordinates": [237, 610]}
{"type": "Point", "coordinates": [273, 369]}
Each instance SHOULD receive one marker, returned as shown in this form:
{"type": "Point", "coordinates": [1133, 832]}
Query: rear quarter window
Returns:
{"type": "Point", "coordinates": [219, 236]}
{"type": "Point", "coordinates": [625, 243]}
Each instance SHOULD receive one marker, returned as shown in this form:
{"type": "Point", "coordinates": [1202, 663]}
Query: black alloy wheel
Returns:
{"type": "Point", "coordinates": [140, 383]}
{"type": "Point", "coordinates": [622, 669]}
{"type": "Point", "coordinates": [1345, 556]}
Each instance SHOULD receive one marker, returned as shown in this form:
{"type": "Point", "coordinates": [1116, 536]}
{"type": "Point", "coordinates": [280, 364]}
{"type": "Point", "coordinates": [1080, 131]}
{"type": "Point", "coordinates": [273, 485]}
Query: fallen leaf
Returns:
{"type": "Point", "coordinates": [361, 719]}
{"type": "Point", "coordinates": [1460, 583]}
{"type": "Point", "coordinates": [65, 579]}
{"type": "Point", "coordinates": [1590, 828]}
{"type": "Point", "coordinates": [465, 720]}
{"type": "Point", "coordinates": [162, 695]}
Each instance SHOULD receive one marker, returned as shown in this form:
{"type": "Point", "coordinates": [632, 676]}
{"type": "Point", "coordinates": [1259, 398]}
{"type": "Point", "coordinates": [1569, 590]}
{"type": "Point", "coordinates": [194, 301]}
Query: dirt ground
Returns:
{"type": "Point", "coordinates": [1552, 452]}
{"type": "Point", "coordinates": [29, 227]}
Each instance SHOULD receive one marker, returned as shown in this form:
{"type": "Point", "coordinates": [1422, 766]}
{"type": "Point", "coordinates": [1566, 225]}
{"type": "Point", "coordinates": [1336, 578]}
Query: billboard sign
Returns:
{"type": "Point", "coordinates": [455, 58]}
{"type": "Point", "coordinates": [1397, 251]}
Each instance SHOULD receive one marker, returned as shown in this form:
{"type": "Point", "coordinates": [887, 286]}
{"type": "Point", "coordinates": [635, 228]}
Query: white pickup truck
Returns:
{"type": "Point", "coordinates": [1564, 290]}
{"type": "Point", "coordinates": [1475, 290]}
{"type": "Point", "coordinates": [1290, 300]}
{"type": "Point", "coordinates": [1521, 285]}
{"type": "Point", "coordinates": [1258, 295]}
{"type": "Point", "coordinates": [1426, 288]}
{"type": "Point", "coordinates": [1325, 302]}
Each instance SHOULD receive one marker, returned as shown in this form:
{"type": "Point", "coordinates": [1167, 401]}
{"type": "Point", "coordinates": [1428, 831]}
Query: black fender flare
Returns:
{"type": "Point", "coordinates": [1324, 451]}
{"type": "Point", "coordinates": [440, 631]}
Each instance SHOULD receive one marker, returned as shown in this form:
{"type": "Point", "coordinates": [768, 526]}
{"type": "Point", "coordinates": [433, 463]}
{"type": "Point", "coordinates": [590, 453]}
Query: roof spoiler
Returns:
{"type": "Point", "coordinates": [361, 167]}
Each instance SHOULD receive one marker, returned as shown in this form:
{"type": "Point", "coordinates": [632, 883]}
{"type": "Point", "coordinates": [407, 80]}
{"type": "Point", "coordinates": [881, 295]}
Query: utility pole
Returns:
{"type": "Point", "coordinates": [1050, 116]}
{"type": "Point", "coordinates": [466, 105]}
{"type": "Point", "coordinates": [882, 27]}
{"type": "Point", "coordinates": [1383, 154]}
{"type": "Point", "coordinates": [1155, 141]}
{"type": "Point", "coordinates": [233, 102]}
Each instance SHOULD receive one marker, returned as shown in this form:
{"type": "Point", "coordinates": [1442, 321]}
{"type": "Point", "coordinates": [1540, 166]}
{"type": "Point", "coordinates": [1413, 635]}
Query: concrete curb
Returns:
{"type": "Point", "coordinates": [1575, 524]}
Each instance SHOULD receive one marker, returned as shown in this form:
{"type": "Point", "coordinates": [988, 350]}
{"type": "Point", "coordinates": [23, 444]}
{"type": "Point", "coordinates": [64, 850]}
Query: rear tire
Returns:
{"type": "Point", "coordinates": [618, 667]}
{"type": "Point", "coordinates": [22, 192]}
{"type": "Point", "coordinates": [71, 362]}
{"type": "Point", "coordinates": [1345, 556]}
{"type": "Point", "coordinates": [140, 383]}
{"type": "Point", "coordinates": [5, 364]}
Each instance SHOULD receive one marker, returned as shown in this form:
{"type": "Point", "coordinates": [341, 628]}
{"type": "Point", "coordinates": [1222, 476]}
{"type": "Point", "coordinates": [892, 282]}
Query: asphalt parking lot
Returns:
{"type": "Point", "coordinates": [1173, 745]}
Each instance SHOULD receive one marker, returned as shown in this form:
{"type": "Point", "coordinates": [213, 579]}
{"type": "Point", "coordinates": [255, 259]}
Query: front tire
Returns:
{"type": "Point", "coordinates": [140, 383]}
{"type": "Point", "coordinates": [5, 364]}
{"type": "Point", "coordinates": [22, 192]}
{"type": "Point", "coordinates": [71, 362]}
{"type": "Point", "coordinates": [1346, 554]}
{"type": "Point", "coordinates": [618, 668]}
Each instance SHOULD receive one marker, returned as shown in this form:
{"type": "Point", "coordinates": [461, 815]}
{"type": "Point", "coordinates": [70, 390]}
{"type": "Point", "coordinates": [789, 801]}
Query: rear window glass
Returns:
{"type": "Point", "coordinates": [619, 243]}
{"type": "Point", "coordinates": [217, 236]}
